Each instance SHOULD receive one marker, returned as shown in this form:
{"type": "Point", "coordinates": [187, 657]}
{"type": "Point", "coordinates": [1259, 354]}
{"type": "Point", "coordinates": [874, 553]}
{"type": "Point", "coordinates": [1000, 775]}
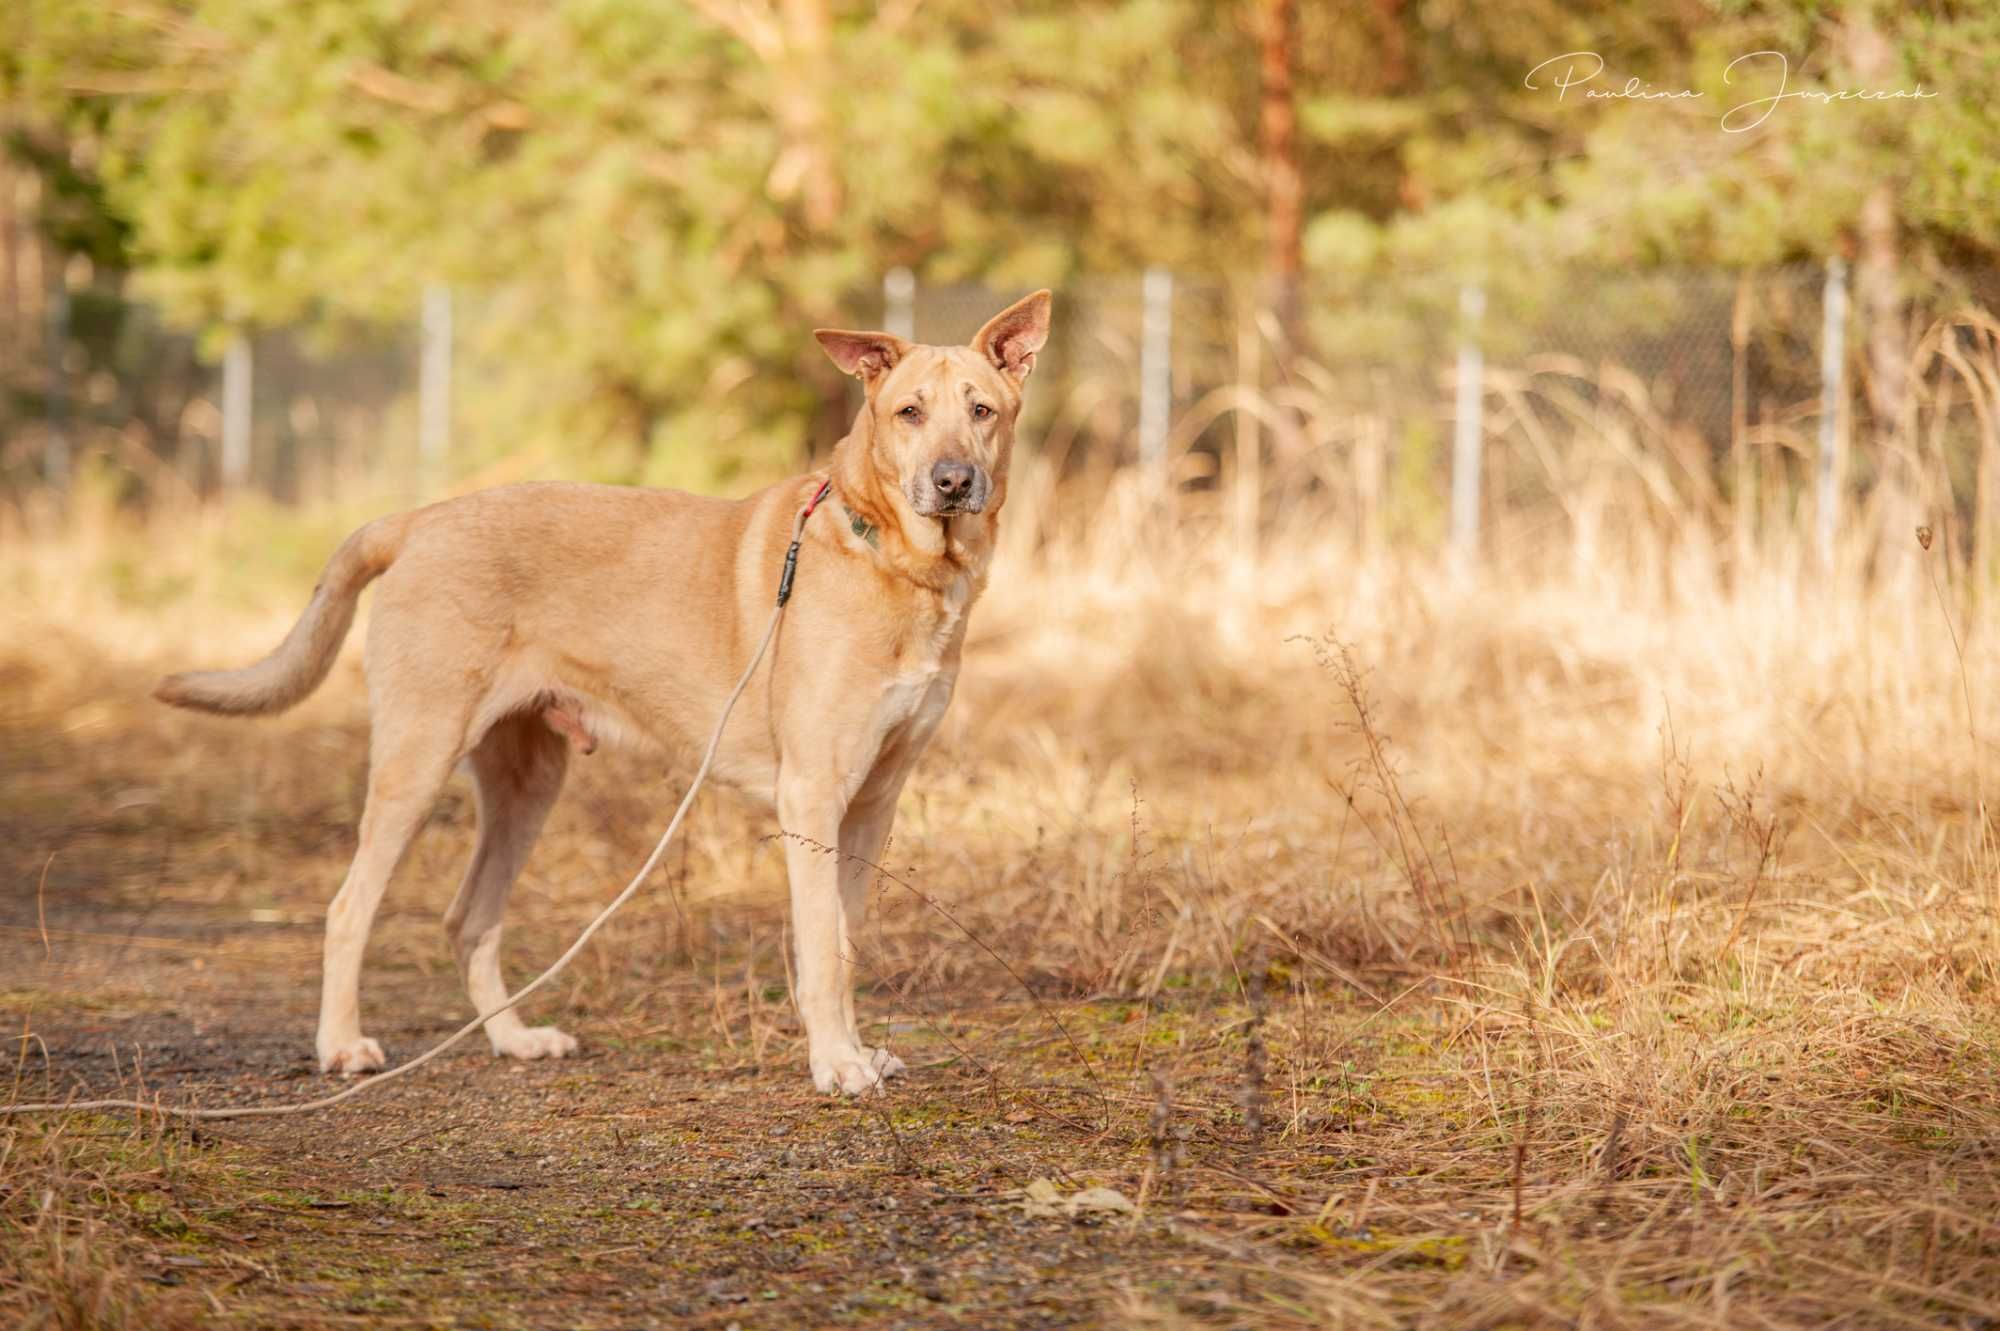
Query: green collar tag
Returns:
{"type": "Point", "coordinates": [862, 527]}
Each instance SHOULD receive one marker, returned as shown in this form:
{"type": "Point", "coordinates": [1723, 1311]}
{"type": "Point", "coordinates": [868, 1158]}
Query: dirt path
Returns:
{"type": "Point", "coordinates": [618, 1190]}
{"type": "Point", "coordinates": [682, 1170]}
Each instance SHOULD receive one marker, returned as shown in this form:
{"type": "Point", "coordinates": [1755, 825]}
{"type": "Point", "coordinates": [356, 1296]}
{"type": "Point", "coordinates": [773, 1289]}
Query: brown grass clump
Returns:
{"type": "Point", "coordinates": [1597, 941]}
{"type": "Point", "coordinates": [79, 1200]}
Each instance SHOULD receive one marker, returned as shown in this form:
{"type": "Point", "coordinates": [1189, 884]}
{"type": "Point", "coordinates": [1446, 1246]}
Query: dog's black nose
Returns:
{"type": "Point", "coordinates": [952, 479]}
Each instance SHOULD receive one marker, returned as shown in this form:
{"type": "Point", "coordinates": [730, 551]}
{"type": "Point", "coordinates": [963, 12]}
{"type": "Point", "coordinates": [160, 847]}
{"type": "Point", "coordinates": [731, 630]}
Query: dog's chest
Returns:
{"type": "Point", "coordinates": [939, 627]}
{"type": "Point", "coordinates": [912, 704]}
{"type": "Point", "coordinates": [915, 696]}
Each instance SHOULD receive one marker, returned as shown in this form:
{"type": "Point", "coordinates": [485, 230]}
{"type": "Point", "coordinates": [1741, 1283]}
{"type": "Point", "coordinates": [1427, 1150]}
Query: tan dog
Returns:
{"type": "Point", "coordinates": [513, 621]}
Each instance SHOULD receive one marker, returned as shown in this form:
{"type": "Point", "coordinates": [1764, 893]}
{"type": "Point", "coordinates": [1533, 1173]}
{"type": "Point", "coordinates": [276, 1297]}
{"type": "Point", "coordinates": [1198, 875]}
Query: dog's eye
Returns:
{"type": "Point", "coordinates": [980, 411]}
{"type": "Point", "coordinates": [910, 412]}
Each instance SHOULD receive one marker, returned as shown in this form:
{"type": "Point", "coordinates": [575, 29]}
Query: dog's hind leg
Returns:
{"type": "Point", "coordinates": [518, 770]}
{"type": "Point", "coordinates": [411, 757]}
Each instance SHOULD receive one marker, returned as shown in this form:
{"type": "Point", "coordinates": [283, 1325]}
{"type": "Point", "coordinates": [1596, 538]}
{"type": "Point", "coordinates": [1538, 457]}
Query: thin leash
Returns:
{"type": "Point", "coordinates": [638, 880]}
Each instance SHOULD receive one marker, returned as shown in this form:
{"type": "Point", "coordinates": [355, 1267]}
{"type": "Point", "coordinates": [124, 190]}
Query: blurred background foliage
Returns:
{"type": "Point", "coordinates": [653, 202]}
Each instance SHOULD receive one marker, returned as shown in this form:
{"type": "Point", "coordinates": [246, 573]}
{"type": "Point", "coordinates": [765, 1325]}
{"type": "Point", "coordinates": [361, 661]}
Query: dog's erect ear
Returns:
{"type": "Point", "coordinates": [1012, 337]}
{"type": "Point", "coordinates": [866, 356]}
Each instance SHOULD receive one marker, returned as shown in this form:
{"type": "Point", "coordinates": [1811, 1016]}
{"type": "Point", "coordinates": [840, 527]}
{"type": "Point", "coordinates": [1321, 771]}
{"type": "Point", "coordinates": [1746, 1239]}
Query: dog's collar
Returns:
{"type": "Point", "coordinates": [862, 527]}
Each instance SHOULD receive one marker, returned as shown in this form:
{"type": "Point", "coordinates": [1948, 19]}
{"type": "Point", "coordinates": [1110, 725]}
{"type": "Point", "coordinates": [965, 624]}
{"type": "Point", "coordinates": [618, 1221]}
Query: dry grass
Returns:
{"type": "Point", "coordinates": [82, 1203]}
{"type": "Point", "coordinates": [1598, 941]}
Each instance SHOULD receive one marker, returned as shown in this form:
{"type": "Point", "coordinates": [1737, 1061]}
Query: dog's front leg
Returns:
{"type": "Point", "coordinates": [811, 813]}
{"type": "Point", "coordinates": [863, 834]}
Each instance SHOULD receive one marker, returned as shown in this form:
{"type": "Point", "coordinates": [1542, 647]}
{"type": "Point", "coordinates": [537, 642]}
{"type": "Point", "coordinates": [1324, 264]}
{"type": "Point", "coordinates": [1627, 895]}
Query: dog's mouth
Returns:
{"type": "Point", "coordinates": [963, 500]}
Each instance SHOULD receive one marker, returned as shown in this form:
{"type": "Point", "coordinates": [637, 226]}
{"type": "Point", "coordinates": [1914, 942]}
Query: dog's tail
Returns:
{"type": "Point", "coordinates": [301, 662]}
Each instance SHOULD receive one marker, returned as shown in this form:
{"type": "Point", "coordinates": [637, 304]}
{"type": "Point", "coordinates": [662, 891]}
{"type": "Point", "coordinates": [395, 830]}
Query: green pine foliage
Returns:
{"type": "Point", "coordinates": [647, 204]}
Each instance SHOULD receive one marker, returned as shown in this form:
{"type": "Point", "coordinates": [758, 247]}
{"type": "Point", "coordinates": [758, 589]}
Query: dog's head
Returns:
{"type": "Point", "coordinates": [941, 419]}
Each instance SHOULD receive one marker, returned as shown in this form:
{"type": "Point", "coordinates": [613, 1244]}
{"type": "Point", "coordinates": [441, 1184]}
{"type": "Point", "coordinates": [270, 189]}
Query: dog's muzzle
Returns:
{"type": "Point", "coordinates": [951, 488]}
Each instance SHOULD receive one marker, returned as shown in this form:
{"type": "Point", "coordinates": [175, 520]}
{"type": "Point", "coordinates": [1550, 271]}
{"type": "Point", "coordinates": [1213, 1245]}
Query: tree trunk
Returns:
{"type": "Point", "coordinates": [1878, 301]}
{"type": "Point", "coordinates": [1742, 480]}
{"type": "Point", "coordinates": [1392, 47]}
{"type": "Point", "coordinates": [1877, 283]}
{"type": "Point", "coordinates": [806, 164]}
{"type": "Point", "coordinates": [1284, 191]}
{"type": "Point", "coordinates": [10, 264]}
{"type": "Point", "coordinates": [793, 39]}
{"type": "Point", "coordinates": [1879, 297]}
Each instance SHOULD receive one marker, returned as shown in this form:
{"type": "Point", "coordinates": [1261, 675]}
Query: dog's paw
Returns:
{"type": "Point", "coordinates": [352, 1058]}
{"type": "Point", "coordinates": [533, 1042]}
{"type": "Point", "coordinates": [855, 1072]}
{"type": "Point", "coordinates": [886, 1064]}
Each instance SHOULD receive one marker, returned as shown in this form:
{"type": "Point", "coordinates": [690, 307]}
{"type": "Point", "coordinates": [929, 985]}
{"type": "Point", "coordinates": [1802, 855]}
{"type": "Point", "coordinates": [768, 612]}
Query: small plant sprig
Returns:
{"type": "Point", "coordinates": [1982, 858]}
{"type": "Point", "coordinates": [1763, 832]}
{"type": "Point", "coordinates": [1435, 888]}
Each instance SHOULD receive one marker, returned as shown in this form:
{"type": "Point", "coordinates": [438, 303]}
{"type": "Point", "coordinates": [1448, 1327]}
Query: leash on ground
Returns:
{"type": "Point", "coordinates": [631, 888]}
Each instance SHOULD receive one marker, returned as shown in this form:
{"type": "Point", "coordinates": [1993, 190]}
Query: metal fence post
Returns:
{"type": "Point", "coordinates": [434, 380]}
{"type": "Point", "coordinates": [1249, 497]}
{"type": "Point", "coordinates": [236, 371]}
{"type": "Point", "coordinates": [899, 303]}
{"type": "Point", "coordinates": [1832, 401]}
{"type": "Point", "coordinates": [1469, 427]}
{"type": "Point", "coordinates": [1156, 366]}
{"type": "Point", "coordinates": [56, 458]}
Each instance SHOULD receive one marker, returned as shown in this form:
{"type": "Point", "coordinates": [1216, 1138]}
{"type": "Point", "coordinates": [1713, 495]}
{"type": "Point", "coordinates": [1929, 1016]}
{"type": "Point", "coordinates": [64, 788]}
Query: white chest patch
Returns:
{"type": "Point", "coordinates": [949, 625]}
{"type": "Point", "coordinates": [914, 703]}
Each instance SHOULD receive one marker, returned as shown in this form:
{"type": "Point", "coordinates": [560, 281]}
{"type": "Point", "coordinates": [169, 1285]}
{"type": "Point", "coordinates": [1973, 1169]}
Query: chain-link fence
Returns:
{"type": "Point", "coordinates": [1439, 407]}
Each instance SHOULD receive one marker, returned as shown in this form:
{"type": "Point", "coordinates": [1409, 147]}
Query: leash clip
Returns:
{"type": "Point", "coordinates": [792, 554]}
{"type": "Point", "coordinates": [791, 568]}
